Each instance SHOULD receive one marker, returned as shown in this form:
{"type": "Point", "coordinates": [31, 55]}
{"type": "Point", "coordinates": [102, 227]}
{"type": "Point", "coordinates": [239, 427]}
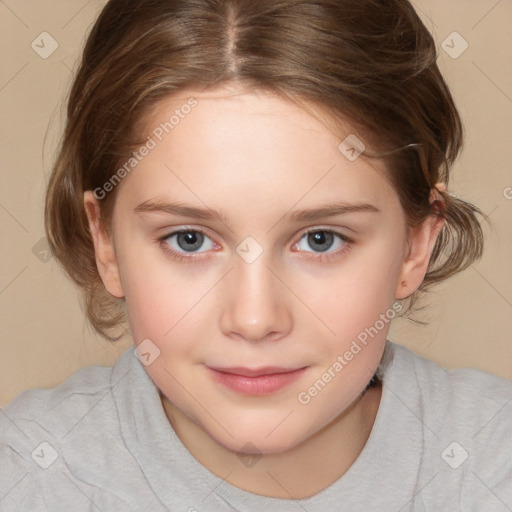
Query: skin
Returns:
{"type": "Point", "coordinates": [258, 158]}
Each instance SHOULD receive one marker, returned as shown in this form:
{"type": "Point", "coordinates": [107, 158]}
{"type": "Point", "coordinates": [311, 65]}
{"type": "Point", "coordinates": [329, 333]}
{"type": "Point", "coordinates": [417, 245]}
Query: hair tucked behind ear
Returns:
{"type": "Point", "coordinates": [371, 63]}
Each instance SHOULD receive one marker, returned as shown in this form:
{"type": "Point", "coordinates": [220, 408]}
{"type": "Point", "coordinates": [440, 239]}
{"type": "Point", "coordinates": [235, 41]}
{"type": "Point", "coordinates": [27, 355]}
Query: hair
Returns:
{"type": "Point", "coordinates": [370, 63]}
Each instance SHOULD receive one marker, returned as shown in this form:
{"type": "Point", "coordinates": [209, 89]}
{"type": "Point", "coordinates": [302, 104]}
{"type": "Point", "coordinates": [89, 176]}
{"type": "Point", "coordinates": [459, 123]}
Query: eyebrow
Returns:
{"type": "Point", "coordinates": [180, 209]}
{"type": "Point", "coordinates": [332, 210]}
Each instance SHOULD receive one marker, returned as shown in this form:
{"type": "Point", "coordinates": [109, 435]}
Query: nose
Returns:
{"type": "Point", "coordinates": [255, 303]}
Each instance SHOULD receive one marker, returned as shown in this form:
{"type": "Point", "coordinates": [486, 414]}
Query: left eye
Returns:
{"type": "Point", "coordinates": [322, 240]}
{"type": "Point", "coordinates": [188, 241]}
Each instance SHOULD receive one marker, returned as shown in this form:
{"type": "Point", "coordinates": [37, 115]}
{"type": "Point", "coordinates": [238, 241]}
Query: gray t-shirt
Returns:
{"type": "Point", "coordinates": [442, 441]}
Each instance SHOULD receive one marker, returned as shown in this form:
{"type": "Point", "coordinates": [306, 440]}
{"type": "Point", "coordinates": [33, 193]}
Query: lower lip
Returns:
{"type": "Point", "coordinates": [261, 385]}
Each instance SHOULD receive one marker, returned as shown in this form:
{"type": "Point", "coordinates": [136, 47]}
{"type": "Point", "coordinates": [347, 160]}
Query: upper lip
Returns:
{"type": "Point", "coordinates": [256, 372]}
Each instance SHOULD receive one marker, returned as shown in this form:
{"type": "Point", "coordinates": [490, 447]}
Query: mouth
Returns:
{"type": "Point", "coordinates": [258, 381]}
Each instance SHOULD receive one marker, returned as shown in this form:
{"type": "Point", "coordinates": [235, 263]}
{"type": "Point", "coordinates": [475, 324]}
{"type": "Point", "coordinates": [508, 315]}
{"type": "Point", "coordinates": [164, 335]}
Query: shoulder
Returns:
{"type": "Point", "coordinates": [462, 401]}
{"type": "Point", "coordinates": [41, 406]}
{"type": "Point", "coordinates": [464, 392]}
{"type": "Point", "coordinates": [86, 381]}
{"type": "Point", "coordinates": [50, 415]}
{"type": "Point", "coordinates": [46, 433]}
{"type": "Point", "coordinates": [462, 418]}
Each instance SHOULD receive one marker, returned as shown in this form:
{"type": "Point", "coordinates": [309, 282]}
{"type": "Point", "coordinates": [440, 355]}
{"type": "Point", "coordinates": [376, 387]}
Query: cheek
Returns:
{"type": "Point", "coordinates": [356, 305]}
{"type": "Point", "coordinates": [354, 295]}
{"type": "Point", "coordinates": [156, 297]}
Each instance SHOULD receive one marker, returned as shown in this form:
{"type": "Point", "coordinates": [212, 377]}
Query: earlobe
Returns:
{"type": "Point", "coordinates": [420, 245]}
{"type": "Point", "coordinates": [106, 259]}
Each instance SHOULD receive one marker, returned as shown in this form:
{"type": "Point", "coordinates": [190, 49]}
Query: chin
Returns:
{"type": "Point", "coordinates": [262, 437]}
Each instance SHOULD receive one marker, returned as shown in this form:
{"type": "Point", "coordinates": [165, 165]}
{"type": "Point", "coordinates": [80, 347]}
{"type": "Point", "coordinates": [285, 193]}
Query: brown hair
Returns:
{"type": "Point", "coordinates": [371, 63]}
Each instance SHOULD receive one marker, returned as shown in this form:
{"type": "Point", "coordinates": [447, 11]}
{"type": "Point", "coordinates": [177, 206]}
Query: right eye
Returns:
{"type": "Point", "coordinates": [179, 243]}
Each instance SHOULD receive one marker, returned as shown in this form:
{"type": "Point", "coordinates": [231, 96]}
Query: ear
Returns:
{"type": "Point", "coordinates": [106, 259]}
{"type": "Point", "coordinates": [420, 245]}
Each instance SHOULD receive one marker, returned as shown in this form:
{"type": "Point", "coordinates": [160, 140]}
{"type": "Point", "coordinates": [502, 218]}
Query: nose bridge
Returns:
{"type": "Point", "coordinates": [253, 304]}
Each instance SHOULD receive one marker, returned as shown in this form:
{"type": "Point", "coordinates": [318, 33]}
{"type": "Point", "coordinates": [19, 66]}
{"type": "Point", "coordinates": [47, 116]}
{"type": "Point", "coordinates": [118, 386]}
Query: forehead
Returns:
{"type": "Point", "coordinates": [232, 145]}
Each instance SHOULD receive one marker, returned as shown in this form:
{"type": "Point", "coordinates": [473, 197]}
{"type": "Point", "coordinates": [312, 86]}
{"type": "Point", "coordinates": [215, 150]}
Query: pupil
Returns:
{"type": "Point", "coordinates": [322, 239]}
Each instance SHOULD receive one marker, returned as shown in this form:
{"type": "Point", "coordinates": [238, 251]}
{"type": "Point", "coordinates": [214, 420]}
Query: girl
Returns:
{"type": "Point", "coordinates": [258, 189]}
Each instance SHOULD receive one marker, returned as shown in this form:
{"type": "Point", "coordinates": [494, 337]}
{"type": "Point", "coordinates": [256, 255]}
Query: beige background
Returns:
{"type": "Point", "coordinates": [44, 337]}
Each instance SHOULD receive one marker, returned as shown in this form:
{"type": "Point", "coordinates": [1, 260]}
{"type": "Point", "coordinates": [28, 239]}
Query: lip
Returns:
{"type": "Point", "coordinates": [259, 381]}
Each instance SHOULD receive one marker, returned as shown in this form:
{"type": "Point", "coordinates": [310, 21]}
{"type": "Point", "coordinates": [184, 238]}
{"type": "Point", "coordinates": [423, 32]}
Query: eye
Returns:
{"type": "Point", "coordinates": [324, 241]}
{"type": "Point", "coordinates": [185, 244]}
{"type": "Point", "coordinates": [179, 243]}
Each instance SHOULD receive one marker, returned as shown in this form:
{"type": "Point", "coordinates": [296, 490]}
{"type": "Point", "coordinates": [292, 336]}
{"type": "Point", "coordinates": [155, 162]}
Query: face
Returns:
{"type": "Point", "coordinates": [263, 302]}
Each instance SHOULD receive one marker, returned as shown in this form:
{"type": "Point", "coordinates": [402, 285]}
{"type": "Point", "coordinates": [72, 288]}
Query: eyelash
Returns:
{"type": "Point", "coordinates": [320, 257]}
